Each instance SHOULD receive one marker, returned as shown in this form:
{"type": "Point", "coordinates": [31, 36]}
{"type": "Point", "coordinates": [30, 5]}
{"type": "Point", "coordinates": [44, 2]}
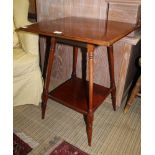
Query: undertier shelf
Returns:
{"type": "Point", "coordinates": [74, 93]}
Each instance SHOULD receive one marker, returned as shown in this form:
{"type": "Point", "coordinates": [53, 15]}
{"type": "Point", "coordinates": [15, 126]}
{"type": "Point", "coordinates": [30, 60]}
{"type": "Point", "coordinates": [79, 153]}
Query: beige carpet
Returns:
{"type": "Point", "coordinates": [114, 133]}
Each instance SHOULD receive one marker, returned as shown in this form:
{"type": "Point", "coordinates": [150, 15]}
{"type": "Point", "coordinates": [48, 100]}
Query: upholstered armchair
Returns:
{"type": "Point", "coordinates": [27, 78]}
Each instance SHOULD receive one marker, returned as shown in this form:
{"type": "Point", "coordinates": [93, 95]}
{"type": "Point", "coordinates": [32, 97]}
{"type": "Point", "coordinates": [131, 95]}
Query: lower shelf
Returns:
{"type": "Point", "coordinates": [74, 94]}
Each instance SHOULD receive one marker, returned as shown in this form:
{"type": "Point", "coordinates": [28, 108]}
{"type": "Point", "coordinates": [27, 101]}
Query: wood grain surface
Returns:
{"type": "Point", "coordinates": [62, 67]}
{"type": "Point", "coordinates": [82, 29]}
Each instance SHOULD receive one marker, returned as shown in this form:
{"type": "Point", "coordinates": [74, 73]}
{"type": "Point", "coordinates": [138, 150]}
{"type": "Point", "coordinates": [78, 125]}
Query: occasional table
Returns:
{"type": "Point", "coordinates": [81, 95]}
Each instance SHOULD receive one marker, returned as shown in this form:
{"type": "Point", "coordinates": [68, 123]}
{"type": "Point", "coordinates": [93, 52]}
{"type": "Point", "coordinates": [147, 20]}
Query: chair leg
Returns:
{"type": "Point", "coordinates": [134, 93]}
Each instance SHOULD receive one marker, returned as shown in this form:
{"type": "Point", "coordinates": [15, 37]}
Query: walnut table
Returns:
{"type": "Point", "coordinates": [78, 94]}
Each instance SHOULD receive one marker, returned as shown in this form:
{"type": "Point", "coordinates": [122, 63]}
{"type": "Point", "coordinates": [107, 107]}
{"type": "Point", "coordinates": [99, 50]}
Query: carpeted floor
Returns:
{"type": "Point", "coordinates": [114, 133]}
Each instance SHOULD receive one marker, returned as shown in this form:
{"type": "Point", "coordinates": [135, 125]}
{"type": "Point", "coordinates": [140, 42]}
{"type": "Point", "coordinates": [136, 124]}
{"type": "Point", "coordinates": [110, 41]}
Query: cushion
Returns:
{"type": "Point", "coordinates": [29, 42]}
{"type": "Point", "coordinates": [20, 12]}
{"type": "Point", "coordinates": [15, 37]}
{"type": "Point", "coordinates": [24, 63]}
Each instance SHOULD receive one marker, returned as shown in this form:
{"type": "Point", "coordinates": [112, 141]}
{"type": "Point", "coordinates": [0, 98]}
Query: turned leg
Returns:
{"type": "Point", "coordinates": [75, 54]}
{"type": "Point", "coordinates": [47, 77]}
{"type": "Point", "coordinates": [112, 78]}
{"type": "Point", "coordinates": [90, 115]}
{"type": "Point", "coordinates": [134, 93]}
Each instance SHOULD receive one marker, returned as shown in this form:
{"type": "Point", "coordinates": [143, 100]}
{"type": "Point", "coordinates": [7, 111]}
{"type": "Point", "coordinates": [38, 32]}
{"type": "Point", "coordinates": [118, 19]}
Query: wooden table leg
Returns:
{"type": "Point", "coordinates": [47, 77]}
{"type": "Point", "coordinates": [112, 78]}
{"type": "Point", "coordinates": [90, 115]}
{"type": "Point", "coordinates": [75, 54]}
{"type": "Point", "coordinates": [84, 63]}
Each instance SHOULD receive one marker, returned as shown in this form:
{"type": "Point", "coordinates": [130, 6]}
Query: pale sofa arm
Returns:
{"type": "Point", "coordinates": [29, 41]}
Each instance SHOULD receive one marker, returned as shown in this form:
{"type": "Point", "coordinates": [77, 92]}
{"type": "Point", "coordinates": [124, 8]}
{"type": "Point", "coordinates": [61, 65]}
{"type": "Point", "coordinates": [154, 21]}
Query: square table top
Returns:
{"type": "Point", "coordinates": [87, 30]}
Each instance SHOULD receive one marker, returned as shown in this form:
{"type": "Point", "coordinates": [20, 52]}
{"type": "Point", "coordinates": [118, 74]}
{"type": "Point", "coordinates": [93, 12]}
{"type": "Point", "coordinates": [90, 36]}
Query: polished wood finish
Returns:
{"type": "Point", "coordinates": [90, 115]}
{"type": "Point", "coordinates": [119, 10]}
{"type": "Point", "coordinates": [94, 31]}
{"type": "Point", "coordinates": [47, 78]}
{"type": "Point", "coordinates": [78, 94]}
{"type": "Point", "coordinates": [111, 71]}
{"type": "Point", "coordinates": [74, 93]}
{"type": "Point", "coordinates": [75, 54]}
